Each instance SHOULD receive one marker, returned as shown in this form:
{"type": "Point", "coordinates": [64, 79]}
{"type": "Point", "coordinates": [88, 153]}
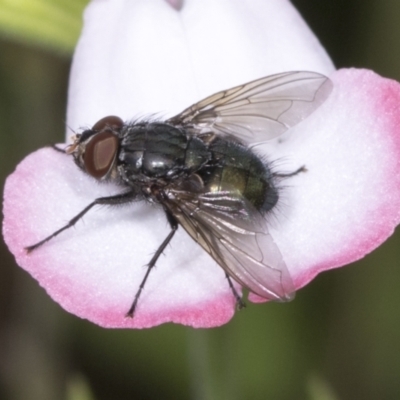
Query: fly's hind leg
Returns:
{"type": "Point", "coordinates": [239, 301]}
{"type": "Point", "coordinates": [288, 175]}
{"type": "Point", "coordinates": [174, 226]}
{"type": "Point", "coordinates": [121, 198]}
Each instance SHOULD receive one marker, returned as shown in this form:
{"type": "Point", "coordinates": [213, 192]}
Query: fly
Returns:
{"type": "Point", "coordinates": [201, 169]}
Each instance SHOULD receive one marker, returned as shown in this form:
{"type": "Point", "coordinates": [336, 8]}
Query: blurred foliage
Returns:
{"type": "Point", "coordinates": [78, 389]}
{"type": "Point", "coordinates": [337, 340]}
{"type": "Point", "coordinates": [319, 389]}
{"type": "Point", "coordinates": [52, 24]}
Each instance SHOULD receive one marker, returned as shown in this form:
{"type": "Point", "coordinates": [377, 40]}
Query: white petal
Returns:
{"type": "Point", "coordinates": [140, 58]}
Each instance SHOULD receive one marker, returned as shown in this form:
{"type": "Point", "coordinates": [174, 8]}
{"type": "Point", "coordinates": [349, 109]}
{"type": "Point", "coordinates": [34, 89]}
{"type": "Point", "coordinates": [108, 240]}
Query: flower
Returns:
{"type": "Point", "coordinates": [138, 58]}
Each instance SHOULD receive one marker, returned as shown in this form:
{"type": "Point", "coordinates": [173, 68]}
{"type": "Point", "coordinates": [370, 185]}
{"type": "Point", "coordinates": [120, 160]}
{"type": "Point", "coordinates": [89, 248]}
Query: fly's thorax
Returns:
{"type": "Point", "coordinates": [159, 151]}
{"type": "Point", "coordinates": [236, 166]}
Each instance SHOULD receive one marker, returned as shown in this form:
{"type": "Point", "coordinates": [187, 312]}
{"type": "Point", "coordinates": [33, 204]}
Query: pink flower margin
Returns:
{"type": "Point", "coordinates": [138, 58]}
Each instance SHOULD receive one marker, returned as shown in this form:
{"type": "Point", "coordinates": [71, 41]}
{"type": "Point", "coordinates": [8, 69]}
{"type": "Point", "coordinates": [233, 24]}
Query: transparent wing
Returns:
{"type": "Point", "coordinates": [230, 229]}
{"type": "Point", "coordinates": [259, 110]}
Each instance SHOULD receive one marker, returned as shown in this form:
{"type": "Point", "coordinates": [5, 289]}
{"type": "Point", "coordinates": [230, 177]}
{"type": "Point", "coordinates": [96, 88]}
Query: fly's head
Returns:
{"type": "Point", "coordinates": [95, 150]}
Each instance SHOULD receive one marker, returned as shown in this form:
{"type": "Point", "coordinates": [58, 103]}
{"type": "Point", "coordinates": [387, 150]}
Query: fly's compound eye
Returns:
{"type": "Point", "coordinates": [111, 122]}
{"type": "Point", "coordinates": [100, 154]}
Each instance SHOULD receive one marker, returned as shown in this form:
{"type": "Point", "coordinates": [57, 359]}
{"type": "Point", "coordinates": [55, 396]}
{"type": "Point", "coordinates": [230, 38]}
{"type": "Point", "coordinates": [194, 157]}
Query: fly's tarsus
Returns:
{"type": "Point", "coordinates": [111, 200]}
{"type": "Point", "coordinates": [290, 174]}
{"type": "Point", "coordinates": [174, 227]}
{"type": "Point", "coordinates": [56, 148]}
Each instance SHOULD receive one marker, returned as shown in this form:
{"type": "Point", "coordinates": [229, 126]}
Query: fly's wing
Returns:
{"type": "Point", "coordinates": [259, 110]}
{"type": "Point", "coordinates": [232, 231]}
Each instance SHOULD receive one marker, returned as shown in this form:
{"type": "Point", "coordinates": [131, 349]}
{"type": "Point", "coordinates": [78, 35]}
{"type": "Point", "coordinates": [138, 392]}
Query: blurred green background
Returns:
{"type": "Point", "coordinates": [338, 340]}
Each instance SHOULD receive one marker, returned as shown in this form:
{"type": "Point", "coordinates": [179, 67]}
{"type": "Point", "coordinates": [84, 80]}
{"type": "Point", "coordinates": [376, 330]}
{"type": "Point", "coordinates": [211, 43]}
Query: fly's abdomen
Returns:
{"type": "Point", "coordinates": [238, 167]}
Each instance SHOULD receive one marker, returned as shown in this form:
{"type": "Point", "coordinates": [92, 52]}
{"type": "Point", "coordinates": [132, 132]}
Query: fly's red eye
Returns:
{"type": "Point", "coordinates": [100, 154]}
{"type": "Point", "coordinates": [110, 122]}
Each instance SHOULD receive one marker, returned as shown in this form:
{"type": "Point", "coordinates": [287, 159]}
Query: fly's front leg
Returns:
{"type": "Point", "coordinates": [54, 147]}
{"type": "Point", "coordinates": [174, 226]}
{"type": "Point", "coordinates": [121, 198]}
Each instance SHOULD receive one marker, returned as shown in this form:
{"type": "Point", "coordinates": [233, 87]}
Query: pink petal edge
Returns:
{"type": "Point", "coordinates": [362, 98]}
{"type": "Point", "coordinates": [98, 285]}
{"type": "Point", "coordinates": [368, 210]}
{"type": "Point", "coordinates": [382, 107]}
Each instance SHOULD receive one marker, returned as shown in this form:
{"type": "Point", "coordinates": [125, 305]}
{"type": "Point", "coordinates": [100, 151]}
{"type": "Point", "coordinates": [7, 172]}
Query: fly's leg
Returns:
{"type": "Point", "coordinates": [239, 301]}
{"type": "Point", "coordinates": [301, 169]}
{"type": "Point", "coordinates": [174, 226]}
{"type": "Point", "coordinates": [111, 200]}
{"type": "Point", "coordinates": [54, 147]}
